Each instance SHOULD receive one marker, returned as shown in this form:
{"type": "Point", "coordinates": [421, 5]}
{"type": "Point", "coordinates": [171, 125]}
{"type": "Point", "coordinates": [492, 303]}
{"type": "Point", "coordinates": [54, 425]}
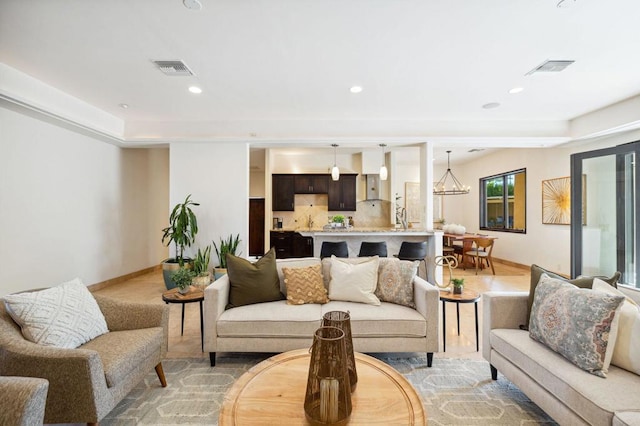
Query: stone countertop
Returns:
{"type": "Point", "coordinates": [364, 231]}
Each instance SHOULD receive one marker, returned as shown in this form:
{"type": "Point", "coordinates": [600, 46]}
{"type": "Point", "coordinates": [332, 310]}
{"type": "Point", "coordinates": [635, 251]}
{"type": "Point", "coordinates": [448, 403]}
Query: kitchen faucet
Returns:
{"type": "Point", "coordinates": [403, 217]}
{"type": "Point", "coordinates": [310, 222]}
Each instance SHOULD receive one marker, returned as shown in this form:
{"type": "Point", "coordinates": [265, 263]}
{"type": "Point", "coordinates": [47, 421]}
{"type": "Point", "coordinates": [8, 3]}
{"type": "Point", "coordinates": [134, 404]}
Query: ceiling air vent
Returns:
{"type": "Point", "coordinates": [550, 66]}
{"type": "Point", "coordinates": [173, 68]}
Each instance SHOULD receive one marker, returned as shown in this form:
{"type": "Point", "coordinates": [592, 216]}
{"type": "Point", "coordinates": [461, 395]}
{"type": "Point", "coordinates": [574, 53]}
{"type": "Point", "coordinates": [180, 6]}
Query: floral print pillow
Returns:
{"type": "Point", "coordinates": [395, 281]}
{"type": "Point", "coordinates": [579, 324]}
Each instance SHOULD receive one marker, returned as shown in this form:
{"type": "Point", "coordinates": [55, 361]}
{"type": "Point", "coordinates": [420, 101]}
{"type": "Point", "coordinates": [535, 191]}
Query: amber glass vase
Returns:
{"type": "Point", "coordinates": [328, 397]}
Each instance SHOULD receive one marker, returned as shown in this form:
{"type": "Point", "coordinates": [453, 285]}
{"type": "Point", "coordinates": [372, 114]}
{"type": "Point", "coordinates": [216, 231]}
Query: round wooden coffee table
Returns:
{"type": "Point", "coordinates": [272, 393]}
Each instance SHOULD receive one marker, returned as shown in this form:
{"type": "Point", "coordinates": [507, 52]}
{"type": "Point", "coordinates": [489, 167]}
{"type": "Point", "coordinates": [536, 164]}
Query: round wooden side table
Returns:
{"type": "Point", "coordinates": [194, 295]}
{"type": "Point", "coordinates": [272, 393]}
{"type": "Point", "coordinates": [467, 296]}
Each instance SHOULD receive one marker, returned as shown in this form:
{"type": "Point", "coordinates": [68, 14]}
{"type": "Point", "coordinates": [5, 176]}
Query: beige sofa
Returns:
{"type": "Point", "coordinates": [278, 327]}
{"type": "Point", "coordinates": [568, 394]}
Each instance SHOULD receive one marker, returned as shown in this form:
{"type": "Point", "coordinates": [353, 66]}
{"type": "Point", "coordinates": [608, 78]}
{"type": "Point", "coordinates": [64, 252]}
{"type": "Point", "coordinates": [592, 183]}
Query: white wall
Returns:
{"type": "Point", "coordinates": [217, 176]}
{"type": "Point", "coordinates": [74, 206]}
{"type": "Point", "coordinates": [256, 184]}
{"type": "Point", "coordinates": [546, 245]}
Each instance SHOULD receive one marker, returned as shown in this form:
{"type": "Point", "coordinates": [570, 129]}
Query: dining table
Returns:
{"type": "Point", "coordinates": [467, 245]}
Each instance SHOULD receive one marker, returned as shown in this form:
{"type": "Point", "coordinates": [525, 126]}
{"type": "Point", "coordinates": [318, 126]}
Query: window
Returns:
{"type": "Point", "coordinates": [503, 202]}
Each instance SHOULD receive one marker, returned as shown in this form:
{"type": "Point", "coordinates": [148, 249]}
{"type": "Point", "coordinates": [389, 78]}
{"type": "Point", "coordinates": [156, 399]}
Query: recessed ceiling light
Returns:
{"type": "Point", "coordinates": [491, 105]}
{"type": "Point", "coordinates": [192, 4]}
{"type": "Point", "coordinates": [124, 106]}
{"type": "Point", "coordinates": [355, 89]}
{"type": "Point", "coordinates": [195, 89]}
{"type": "Point", "coordinates": [516, 90]}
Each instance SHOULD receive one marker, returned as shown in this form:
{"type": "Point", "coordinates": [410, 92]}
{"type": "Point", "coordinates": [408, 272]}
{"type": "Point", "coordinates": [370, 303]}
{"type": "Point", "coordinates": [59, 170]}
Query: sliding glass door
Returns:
{"type": "Point", "coordinates": [604, 205]}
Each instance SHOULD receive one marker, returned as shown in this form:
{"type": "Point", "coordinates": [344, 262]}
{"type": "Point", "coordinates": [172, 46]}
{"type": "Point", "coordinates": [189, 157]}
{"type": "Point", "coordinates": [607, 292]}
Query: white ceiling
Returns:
{"type": "Point", "coordinates": [280, 70]}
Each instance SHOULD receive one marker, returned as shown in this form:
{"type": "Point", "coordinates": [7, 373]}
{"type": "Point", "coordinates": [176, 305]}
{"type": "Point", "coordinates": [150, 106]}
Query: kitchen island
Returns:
{"type": "Point", "coordinates": [393, 236]}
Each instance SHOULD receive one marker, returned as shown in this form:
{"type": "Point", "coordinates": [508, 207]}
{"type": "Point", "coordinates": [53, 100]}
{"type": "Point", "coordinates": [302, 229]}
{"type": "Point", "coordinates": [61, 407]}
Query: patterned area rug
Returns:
{"type": "Point", "coordinates": [454, 392]}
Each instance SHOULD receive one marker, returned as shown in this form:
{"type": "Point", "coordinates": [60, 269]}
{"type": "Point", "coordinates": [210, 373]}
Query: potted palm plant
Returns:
{"type": "Point", "coordinates": [182, 230]}
{"type": "Point", "coordinates": [202, 276]}
{"type": "Point", "coordinates": [230, 245]}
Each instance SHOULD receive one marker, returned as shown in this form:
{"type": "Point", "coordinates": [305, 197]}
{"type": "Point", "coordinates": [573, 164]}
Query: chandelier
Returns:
{"type": "Point", "coordinates": [455, 188]}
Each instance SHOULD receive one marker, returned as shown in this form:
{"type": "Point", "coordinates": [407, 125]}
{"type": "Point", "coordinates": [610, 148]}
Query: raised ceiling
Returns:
{"type": "Point", "coordinates": [280, 70]}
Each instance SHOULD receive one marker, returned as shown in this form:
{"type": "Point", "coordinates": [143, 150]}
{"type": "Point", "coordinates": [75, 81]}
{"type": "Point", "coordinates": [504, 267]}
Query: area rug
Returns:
{"type": "Point", "coordinates": [454, 392]}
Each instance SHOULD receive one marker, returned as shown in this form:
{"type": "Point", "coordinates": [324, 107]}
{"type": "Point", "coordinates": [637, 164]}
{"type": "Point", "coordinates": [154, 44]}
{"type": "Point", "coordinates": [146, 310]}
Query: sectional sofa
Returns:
{"type": "Point", "coordinates": [277, 326]}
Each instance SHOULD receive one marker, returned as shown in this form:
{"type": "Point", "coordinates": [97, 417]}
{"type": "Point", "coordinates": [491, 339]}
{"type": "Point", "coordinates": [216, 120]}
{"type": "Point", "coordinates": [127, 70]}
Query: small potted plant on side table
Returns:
{"type": "Point", "coordinates": [458, 285]}
{"type": "Point", "coordinates": [183, 277]}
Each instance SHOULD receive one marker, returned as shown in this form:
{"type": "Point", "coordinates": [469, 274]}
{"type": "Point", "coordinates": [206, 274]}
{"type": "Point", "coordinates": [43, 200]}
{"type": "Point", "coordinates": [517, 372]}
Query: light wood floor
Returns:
{"type": "Point", "coordinates": [148, 288]}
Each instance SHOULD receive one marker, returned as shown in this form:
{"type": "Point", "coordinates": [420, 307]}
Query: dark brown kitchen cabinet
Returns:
{"type": "Point", "coordinates": [281, 241]}
{"type": "Point", "coordinates": [311, 184]}
{"type": "Point", "coordinates": [282, 193]}
{"type": "Point", "coordinates": [289, 244]}
{"type": "Point", "coordinates": [302, 246]}
{"type": "Point", "coordinates": [342, 193]}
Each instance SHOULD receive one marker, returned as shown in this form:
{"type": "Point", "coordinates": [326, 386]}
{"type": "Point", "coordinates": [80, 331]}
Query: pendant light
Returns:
{"type": "Point", "coordinates": [335, 172]}
{"type": "Point", "coordinates": [383, 169]}
{"type": "Point", "coordinates": [440, 188]}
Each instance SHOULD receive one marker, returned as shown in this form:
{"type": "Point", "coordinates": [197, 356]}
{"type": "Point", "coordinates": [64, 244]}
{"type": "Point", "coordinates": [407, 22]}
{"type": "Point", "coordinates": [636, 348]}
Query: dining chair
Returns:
{"type": "Point", "coordinates": [338, 249]}
{"type": "Point", "coordinates": [483, 246]}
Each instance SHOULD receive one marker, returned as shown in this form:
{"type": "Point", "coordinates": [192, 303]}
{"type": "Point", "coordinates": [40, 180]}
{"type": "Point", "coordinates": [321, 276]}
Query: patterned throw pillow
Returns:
{"type": "Point", "coordinates": [581, 281]}
{"type": "Point", "coordinates": [579, 324]}
{"type": "Point", "coordinates": [305, 285]}
{"type": "Point", "coordinates": [65, 316]}
{"type": "Point", "coordinates": [395, 281]}
{"type": "Point", "coordinates": [626, 353]}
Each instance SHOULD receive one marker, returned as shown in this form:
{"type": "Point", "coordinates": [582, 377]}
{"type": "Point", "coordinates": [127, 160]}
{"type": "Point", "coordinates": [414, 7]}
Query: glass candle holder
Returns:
{"type": "Point", "coordinates": [342, 320]}
{"type": "Point", "coordinates": [328, 397]}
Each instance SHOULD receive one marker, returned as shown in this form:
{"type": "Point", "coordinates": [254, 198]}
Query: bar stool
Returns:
{"type": "Point", "coordinates": [338, 249]}
{"type": "Point", "coordinates": [414, 251]}
{"type": "Point", "coordinates": [373, 249]}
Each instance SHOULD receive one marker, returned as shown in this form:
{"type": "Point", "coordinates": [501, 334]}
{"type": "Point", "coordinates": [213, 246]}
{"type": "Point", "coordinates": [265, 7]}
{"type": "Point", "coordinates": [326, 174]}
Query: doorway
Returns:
{"type": "Point", "coordinates": [256, 226]}
{"type": "Point", "coordinates": [604, 206]}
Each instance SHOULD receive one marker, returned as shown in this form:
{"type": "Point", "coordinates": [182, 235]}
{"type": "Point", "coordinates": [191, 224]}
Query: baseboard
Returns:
{"type": "Point", "coordinates": [513, 264]}
{"type": "Point", "coordinates": [123, 278]}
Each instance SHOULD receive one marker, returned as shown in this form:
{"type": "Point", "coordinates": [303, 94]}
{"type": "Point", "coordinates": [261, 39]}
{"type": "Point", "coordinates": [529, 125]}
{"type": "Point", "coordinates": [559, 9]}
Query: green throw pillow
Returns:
{"type": "Point", "coordinates": [582, 282]}
{"type": "Point", "coordinates": [253, 282]}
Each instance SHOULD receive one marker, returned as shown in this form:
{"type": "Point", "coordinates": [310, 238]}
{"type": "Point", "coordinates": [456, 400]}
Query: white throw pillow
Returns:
{"type": "Point", "coordinates": [354, 282]}
{"type": "Point", "coordinates": [65, 316]}
{"type": "Point", "coordinates": [626, 353]}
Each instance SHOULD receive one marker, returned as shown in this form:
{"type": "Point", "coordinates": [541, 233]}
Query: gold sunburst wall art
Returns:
{"type": "Point", "coordinates": [556, 201]}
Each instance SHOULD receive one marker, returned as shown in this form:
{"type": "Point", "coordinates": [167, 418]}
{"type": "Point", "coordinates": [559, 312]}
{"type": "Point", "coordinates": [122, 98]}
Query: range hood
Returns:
{"type": "Point", "coordinates": [373, 187]}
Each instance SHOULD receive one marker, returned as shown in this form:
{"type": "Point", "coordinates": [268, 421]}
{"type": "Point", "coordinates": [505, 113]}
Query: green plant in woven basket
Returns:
{"type": "Point", "coordinates": [230, 245]}
{"type": "Point", "coordinates": [201, 261]}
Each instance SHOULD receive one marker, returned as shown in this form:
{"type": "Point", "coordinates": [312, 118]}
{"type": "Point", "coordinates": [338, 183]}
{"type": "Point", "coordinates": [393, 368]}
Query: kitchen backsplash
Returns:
{"type": "Point", "coordinates": [370, 214]}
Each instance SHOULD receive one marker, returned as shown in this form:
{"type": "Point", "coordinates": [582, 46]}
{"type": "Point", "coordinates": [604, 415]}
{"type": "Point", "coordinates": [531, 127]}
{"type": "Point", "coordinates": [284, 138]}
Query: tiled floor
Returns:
{"type": "Point", "coordinates": [148, 288]}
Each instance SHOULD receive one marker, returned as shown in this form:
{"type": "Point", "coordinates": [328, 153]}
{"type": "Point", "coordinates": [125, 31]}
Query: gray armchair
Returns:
{"type": "Point", "coordinates": [23, 400]}
{"type": "Point", "coordinates": [86, 383]}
